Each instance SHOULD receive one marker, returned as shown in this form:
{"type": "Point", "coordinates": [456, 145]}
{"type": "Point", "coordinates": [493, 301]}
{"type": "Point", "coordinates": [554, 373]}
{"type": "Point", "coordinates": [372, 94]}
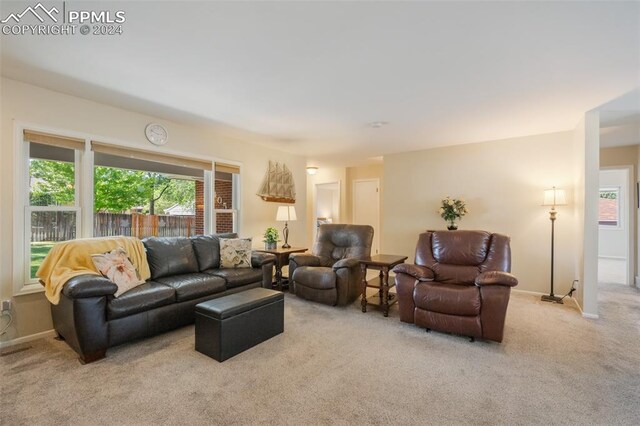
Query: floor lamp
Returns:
{"type": "Point", "coordinates": [553, 197]}
{"type": "Point", "coordinates": [286, 214]}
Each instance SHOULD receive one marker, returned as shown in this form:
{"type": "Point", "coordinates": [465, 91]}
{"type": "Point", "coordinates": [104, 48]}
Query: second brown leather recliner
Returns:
{"type": "Point", "coordinates": [460, 283]}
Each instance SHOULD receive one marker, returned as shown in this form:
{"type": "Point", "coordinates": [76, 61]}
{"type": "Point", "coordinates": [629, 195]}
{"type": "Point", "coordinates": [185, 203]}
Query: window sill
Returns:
{"type": "Point", "coordinates": [31, 288]}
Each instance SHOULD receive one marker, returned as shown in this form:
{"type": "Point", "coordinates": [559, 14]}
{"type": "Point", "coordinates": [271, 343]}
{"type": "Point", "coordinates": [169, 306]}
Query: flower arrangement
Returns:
{"type": "Point", "coordinates": [452, 209]}
{"type": "Point", "coordinates": [271, 237]}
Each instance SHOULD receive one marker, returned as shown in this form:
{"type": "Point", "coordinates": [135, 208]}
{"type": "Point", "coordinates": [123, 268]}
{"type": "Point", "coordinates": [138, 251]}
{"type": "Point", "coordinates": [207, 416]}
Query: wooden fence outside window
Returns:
{"type": "Point", "coordinates": [57, 227]}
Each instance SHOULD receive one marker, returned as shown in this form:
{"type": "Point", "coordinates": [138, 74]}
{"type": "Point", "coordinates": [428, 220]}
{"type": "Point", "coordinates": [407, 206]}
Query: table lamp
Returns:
{"type": "Point", "coordinates": [286, 214]}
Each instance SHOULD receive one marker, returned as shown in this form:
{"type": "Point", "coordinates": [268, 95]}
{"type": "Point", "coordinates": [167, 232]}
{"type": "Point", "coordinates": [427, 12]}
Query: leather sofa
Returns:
{"type": "Point", "coordinates": [460, 283]}
{"type": "Point", "coordinates": [332, 274]}
{"type": "Point", "coordinates": [184, 272]}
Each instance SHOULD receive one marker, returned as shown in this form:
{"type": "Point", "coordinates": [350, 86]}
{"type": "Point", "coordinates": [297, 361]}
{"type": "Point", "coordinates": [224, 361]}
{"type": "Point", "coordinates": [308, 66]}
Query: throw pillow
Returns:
{"type": "Point", "coordinates": [116, 266]}
{"type": "Point", "coordinates": [235, 252]}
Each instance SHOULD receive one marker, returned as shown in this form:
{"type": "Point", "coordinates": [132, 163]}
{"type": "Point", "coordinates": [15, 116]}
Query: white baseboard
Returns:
{"type": "Point", "coordinates": [29, 338]}
{"type": "Point", "coordinates": [537, 293]}
{"type": "Point", "coordinates": [612, 257]}
{"type": "Point", "coordinates": [533, 293]}
{"type": "Point", "coordinates": [583, 313]}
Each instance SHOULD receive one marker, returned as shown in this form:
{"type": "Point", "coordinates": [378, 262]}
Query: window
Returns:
{"type": "Point", "coordinates": [226, 185]}
{"type": "Point", "coordinates": [609, 207]}
{"type": "Point", "coordinates": [52, 208]}
{"type": "Point", "coordinates": [145, 194]}
{"type": "Point", "coordinates": [67, 192]}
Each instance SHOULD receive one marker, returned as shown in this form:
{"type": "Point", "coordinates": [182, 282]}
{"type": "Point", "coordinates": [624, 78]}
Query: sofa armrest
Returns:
{"type": "Point", "coordinates": [420, 273]}
{"type": "Point", "coordinates": [496, 278]}
{"type": "Point", "coordinates": [88, 285]}
{"type": "Point", "coordinates": [259, 259]}
{"type": "Point", "coordinates": [349, 262]}
{"type": "Point", "coordinates": [303, 259]}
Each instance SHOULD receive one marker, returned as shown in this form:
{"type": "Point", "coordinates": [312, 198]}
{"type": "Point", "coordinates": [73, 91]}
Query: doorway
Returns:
{"type": "Point", "coordinates": [615, 227]}
{"type": "Point", "coordinates": [366, 207]}
{"type": "Point", "coordinates": [327, 209]}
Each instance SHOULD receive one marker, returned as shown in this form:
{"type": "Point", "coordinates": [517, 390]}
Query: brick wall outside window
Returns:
{"type": "Point", "coordinates": [199, 207]}
{"type": "Point", "coordinates": [224, 191]}
{"type": "Point", "coordinates": [224, 221]}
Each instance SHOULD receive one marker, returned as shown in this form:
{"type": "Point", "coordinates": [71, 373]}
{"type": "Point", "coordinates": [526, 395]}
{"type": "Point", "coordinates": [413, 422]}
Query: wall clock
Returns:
{"type": "Point", "coordinates": [156, 134]}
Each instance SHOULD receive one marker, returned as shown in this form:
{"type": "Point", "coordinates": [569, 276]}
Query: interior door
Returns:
{"type": "Point", "coordinates": [366, 207]}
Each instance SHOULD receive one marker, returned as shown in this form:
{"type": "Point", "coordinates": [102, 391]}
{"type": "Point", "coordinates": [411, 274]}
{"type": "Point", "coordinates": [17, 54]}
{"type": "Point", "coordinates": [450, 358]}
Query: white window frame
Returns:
{"type": "Point", "coordinates": [23, 283]}
{"type": "Point", "coordinates": [236, 198]}
{"type": "Point", "coordinates": [617, 190]}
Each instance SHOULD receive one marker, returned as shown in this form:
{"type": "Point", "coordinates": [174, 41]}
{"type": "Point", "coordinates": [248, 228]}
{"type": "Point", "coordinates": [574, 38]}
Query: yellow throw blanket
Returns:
{"type": "Point", "coordinates": [72, 258]}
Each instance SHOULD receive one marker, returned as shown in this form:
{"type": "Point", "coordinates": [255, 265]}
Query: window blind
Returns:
{"type": "Point", "coordinates": [141, 154]}
{"type": "Point", "coordinates": [227, 168]}
{"type": "Point", "coordinates": [53, 140]}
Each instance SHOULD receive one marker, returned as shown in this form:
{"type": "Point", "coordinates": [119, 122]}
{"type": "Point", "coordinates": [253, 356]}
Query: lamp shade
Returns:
{"type": "Point", "coordinates": [286, 214]}
{"type": "Point", "coordinates": [555, 197]}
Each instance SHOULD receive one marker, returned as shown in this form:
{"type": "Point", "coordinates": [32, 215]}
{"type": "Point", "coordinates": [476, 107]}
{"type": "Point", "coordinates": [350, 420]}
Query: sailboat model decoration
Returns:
{"type": "Point", "coordinates": [278, 185]}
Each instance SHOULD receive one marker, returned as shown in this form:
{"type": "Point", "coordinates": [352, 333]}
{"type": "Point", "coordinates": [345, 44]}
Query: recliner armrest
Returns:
{"type": "Point", "coordinates": [421, 273]}
{"type": "Point", "coordinates": [349, 262]}
{"type": "Point", "coordinates": [259, 259]}
{"type": "Point", "coordinates": [302, 259]}
{"type": "Point", "coordinates": [88, 285]}
{"type": "Point", "coordinates": [496, 278]}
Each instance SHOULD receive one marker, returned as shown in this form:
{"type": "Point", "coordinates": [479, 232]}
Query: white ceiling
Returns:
{"type": "Point", "coordinates": [308, 77]}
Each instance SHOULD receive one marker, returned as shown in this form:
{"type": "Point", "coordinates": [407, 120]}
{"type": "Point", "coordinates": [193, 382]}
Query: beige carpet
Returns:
{"type": "Point", "coordinates": [340, 366]}
{"type": "Point", "coordinates": [612, 271]}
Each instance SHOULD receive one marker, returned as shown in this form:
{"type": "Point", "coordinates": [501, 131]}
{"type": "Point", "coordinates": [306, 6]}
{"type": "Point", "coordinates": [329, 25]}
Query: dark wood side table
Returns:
{"type": "Point", "coordinates": [382, 263]}
{"type": "Point", "coordinates": [282, 258]}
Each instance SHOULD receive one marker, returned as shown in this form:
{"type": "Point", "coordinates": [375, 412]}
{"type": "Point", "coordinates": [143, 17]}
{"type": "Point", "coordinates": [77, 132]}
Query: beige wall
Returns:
{"type": "Point", "coordinates": [619, 156]}
{"type": "Point", "coordinates": [502, 182]}
{"type": "Point", "coordinates": [30, 104]}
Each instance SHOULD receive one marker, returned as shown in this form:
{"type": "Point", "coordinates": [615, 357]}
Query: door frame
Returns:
{"type": "Point", "coordinates": [315, 205]}
{"type": "Point", "coordinates": [376, 235]}
{"type": "Point", "coordinates": [632, 215]}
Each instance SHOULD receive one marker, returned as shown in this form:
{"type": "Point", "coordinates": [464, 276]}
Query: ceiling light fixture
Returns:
{"type": "Point", "coordinates": [312, 170]}
{"type": "Point", "coordinates": [378, 124]}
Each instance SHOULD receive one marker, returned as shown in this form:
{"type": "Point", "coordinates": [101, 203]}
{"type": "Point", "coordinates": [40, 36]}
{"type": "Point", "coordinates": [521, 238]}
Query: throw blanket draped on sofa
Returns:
{"type": "Point", "coordinates": [72, 258]}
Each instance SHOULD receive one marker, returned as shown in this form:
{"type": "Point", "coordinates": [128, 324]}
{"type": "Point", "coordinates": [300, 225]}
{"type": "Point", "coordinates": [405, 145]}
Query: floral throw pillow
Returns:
{"type": "Point", "coordinates": [117, 267]}
{"type": "Point", "coordinates": [235, 252]}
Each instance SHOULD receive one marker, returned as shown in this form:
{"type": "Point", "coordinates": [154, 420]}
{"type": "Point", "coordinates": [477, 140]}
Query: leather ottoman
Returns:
{"type": "Point", "coordinates": [232, 324]}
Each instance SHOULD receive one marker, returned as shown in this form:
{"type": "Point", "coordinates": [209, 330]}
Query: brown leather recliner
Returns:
{"type": "Point", "coordinates": [332, 274]}
{"type": "Point", "coordinates": [460, 283]}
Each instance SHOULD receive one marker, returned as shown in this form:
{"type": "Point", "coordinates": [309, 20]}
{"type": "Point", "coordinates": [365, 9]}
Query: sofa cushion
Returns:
{"type": "Point", "coordinates": [236, 277]}
{"type": "Point", "coordinates": [192, 286]}
{"type": "Point", "coordinates": [117, 267]}
{"type": "Point", "coordinates": [235, 252]}
{"type": "Point", "coordinates": [142, 298]}
{"type": "Point", "coordinates": [169, 256]}
{"type": "Point", "coordinates": [447, 298]}
{"type": "Point", "coordinates": [207, 249]}
{"type": "Point", "coordinates": [318, 277]}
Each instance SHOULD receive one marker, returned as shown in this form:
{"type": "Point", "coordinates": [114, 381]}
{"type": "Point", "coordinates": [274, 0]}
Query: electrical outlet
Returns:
{"type": "Point", "coordinates": [6, 305]}
{"type": "Point", "coordinates": [576, 284]}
